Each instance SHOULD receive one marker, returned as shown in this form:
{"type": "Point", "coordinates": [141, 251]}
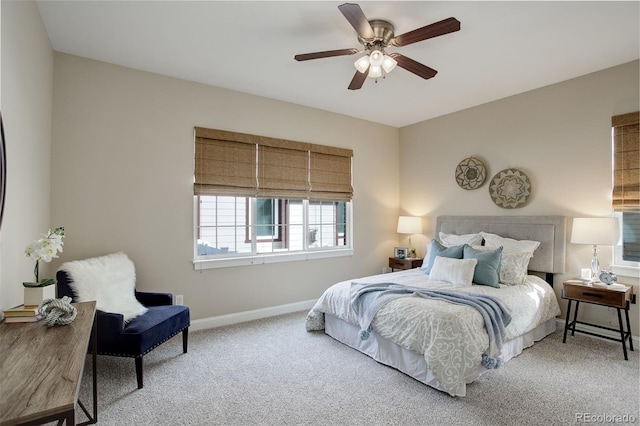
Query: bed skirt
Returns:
{"type": "Point", "coordinates": [412, 363]}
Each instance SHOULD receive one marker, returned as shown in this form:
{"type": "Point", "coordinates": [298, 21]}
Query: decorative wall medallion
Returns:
{"type": "Point", "coordinates": [510, 188]}
{"type": "Point", "coordinates": [470, 173]}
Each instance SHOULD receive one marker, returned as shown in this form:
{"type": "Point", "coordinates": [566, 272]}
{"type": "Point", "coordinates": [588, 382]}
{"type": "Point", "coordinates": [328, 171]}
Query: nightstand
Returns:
{"type": "Point", "coordinates": [407, 263]}
{"type": "Point", "coordinates": [578, 291]}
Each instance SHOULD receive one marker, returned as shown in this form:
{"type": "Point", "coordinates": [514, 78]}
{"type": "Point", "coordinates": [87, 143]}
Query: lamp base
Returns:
{"type": "Point", "coordinates": [595, 265]}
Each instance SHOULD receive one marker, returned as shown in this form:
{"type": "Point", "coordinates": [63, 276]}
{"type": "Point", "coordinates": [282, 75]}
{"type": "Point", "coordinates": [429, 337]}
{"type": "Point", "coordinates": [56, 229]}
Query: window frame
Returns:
{"type": "Point", "coordinates": [254, 258]}
{"type": "Point", "coordinates": [619, 266]}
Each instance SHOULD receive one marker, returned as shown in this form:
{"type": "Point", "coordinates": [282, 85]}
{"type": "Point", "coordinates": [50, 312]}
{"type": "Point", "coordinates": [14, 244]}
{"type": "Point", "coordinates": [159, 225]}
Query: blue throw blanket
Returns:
{"type": "Point", "coordinates": [367, 299]}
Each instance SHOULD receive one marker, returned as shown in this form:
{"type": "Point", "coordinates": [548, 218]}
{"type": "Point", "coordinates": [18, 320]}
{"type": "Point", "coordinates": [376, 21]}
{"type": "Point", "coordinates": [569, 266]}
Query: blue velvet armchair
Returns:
{"type": "Point", "coordinates": [135, 338]}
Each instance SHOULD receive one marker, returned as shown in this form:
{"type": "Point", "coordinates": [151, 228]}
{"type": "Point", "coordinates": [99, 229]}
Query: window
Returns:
{"type": "Point", "coordinates": [631, 236]}
{"type": "Point", "coordinates": [258, 199]}
{"type": "Point", "coordinates": [626, 189]}
{"type": "Point", "coordinates": [269, 220]}
{"type": "Point", "coordinates": [627, 253]}
{"type": "Point", "coordinates": [226, 226]}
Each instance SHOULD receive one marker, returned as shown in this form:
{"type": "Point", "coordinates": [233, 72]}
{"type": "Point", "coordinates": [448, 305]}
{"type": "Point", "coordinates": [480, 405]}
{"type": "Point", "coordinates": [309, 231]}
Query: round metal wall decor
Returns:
{"type": "Point", "coordinates": [510, 188]}
{"type": "Point", "coordinates": [470, 173]}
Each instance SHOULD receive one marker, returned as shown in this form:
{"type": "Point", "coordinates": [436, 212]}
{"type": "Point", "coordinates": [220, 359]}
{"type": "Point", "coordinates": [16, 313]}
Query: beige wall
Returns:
{"type": "Point", "coordinates": [559, 135]}
{"type": "Point", "coordinates": [123, 170]}
{"type": "Point", "coordinates": [27, 84]}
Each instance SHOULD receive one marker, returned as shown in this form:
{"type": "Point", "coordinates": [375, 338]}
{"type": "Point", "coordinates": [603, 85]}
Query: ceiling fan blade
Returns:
{"type": "Point", "coordinates": [358, 80]}
{"type": "Point", "coordinates": [326, 54]}
{"type": "Point", "coordinates": [357, 19]}
{"type": "Point", "coordinates": [415, 67]}
{"type": "Point", "coordinates": [445, 26]}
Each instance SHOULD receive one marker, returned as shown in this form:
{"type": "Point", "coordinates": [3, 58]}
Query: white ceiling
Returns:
{"type": "Point", "coordinates": [503, 48]}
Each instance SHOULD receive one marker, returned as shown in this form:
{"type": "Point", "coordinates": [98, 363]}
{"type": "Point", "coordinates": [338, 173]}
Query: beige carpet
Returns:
{"type": "Point", "coordinates": [273, 372]}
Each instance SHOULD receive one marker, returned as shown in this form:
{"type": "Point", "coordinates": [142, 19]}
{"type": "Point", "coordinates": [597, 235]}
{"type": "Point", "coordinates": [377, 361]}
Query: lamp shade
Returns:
{"type": "Point", "coordinates": [376, 58]}
{"type": "Point", "coordinates": [362, 64]}
{"type": "Point", "coordinates": [375, 71]}
{"type": "Point", "coordinates": [388, 63]}
{"type": "Point", "coordinates": [595, 230]}
{"type": "Point", "coordinates": [409, 225]}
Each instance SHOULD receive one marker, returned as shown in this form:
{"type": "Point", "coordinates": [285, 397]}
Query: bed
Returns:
{"type": "Point", "coordinates": [443, 344]}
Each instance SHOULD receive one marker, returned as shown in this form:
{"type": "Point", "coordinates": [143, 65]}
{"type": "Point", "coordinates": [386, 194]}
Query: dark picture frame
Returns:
{"type": "Point", "coordinates": [3, 170]}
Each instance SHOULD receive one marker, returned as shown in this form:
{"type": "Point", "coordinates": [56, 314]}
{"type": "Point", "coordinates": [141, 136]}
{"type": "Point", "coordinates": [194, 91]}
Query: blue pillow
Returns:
{"type": "Point", "coordinates": [437, 249]}
{"type": "Point", "coordinates": [488, 267]}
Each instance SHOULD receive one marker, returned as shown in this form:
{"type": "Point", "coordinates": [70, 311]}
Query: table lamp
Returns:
{"type": "Point", "coordinates": [595, 230]}
{"type": "Point", "coordinates": [409, 225]}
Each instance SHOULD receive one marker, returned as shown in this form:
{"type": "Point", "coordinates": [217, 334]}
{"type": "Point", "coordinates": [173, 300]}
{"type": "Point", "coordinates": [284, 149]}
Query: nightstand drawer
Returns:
{"type": "Point", "coordinates": [592, 294]}
{"type": "Point", "coordinates": [397, 263]}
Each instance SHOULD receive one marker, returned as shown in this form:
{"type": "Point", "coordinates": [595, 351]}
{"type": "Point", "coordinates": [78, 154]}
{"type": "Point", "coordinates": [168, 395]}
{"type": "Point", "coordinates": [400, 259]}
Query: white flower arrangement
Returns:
{"type": "Point", "coordinates": [45, 249]}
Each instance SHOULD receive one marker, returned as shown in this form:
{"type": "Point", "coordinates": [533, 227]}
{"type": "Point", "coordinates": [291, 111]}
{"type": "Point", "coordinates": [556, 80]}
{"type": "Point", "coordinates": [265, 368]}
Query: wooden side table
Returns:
{"type": "Point", "coordinates": [406, 263]}
{"type": "Point", "coordinates": [41, 369]}
{"type": "Point", "coordinates": [575, 290]}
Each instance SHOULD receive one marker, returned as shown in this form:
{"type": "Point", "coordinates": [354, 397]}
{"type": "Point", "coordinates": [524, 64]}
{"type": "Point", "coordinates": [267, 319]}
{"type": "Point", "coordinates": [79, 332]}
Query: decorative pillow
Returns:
{"type": "Point", "coordinates": [455, 271]}
{"type": "Point", "coordinates": [487, 270]}
{"type": "Point", "coordinates": [510, 244]}
{"type": "Point", "coordinates": [514, 265]}
{"type": "Point", "coordinates": [436, 249]}
{"type": "Point", "coordinates": [425, 262]}
{"type": "Point", "coordinates": [456, 240]}
{"type": "Point", "coordinates": [109, 280]}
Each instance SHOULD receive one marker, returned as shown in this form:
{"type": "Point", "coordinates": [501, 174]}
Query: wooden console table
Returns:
{"type": "Point", "coordinates": [41, 368]}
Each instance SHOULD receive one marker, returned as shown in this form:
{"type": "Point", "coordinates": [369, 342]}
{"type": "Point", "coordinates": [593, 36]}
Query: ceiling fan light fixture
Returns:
{"type": "Point", "coordinates": [362, 64]}
{"type": "Point", "coordinates": [376, 58]}
{"type": "Point", "coordinates": [375, 71]}
{"type": "Point", "coordinates": [388, 63]}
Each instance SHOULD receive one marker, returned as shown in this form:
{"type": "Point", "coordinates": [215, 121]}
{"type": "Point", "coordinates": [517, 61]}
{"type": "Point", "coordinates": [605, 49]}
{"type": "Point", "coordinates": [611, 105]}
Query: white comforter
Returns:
{"type": "Point", "coordinates": [451, 337]}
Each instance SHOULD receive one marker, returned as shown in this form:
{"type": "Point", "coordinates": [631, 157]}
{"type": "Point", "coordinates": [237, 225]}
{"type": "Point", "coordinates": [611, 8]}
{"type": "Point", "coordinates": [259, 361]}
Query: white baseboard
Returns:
{"type": "Point", "coordinates": [221, 320]}
{"type": "Point", "coordinates": [585, 327]}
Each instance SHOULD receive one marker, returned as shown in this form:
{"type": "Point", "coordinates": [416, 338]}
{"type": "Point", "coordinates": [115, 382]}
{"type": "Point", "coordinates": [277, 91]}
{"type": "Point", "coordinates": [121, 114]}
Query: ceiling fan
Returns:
{"type": "Point", "coordinates": [376, 35]}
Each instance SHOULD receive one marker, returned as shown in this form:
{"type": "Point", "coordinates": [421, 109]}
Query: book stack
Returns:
{"type": "Point", "coordinates": [22, 313]}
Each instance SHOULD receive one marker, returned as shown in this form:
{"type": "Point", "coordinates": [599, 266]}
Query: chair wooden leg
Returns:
{"type": "Point", "coordinates": [139, 371]}
{"type": "Point", "coordinates": [185, 339]}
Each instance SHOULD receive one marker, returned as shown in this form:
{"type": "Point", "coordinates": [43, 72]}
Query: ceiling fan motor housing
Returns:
{"type": "Point", "coordinates": [383, 34]}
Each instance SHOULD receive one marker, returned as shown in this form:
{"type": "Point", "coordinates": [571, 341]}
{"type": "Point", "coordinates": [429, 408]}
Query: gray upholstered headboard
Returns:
{"type": "Point", "coordinates": [551, 231]}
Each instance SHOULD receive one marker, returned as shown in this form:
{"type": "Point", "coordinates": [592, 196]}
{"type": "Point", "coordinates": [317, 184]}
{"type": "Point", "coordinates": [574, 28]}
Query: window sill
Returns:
{"type": "Point", "coordinates": [261, 259]}
{"type": "Point", "coordinates": [626, 271]}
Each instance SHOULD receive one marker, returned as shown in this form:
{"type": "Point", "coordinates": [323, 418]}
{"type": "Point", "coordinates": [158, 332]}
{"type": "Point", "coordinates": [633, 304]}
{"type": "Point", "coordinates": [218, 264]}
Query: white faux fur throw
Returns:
{"type": "Point", "coordinates": [109, 280]}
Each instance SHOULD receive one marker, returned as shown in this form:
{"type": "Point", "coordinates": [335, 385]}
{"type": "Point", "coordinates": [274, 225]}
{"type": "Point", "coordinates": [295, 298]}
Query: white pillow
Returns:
{"type": "Point", "coordinates": [458, 240]}
{"type": "Point", "coordinates": [509, 244]}
{"type": "Point", "coordinates": [109, 280]}
{"type": "Point", "coordinates": [514, 265]}
{"type": "Point", "coordinates": [455, 271]}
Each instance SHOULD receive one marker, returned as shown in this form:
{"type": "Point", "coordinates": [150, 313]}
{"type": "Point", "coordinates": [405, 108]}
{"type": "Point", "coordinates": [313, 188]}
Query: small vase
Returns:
{"type": "Point", "coordinates": [33, 296]}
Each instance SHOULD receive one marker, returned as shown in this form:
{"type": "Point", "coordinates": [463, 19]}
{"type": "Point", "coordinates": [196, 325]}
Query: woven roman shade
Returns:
{"type": "Point", "coordinates": [330, 175]}
{"type": "Point", "coordinates": [283, 169]}
{"type": "Point", "coordinates": [238, 164]}
{"type": "Point", "coordinates": [225, 163]}
{"type": "Point", "coordinates": [626, 162]}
